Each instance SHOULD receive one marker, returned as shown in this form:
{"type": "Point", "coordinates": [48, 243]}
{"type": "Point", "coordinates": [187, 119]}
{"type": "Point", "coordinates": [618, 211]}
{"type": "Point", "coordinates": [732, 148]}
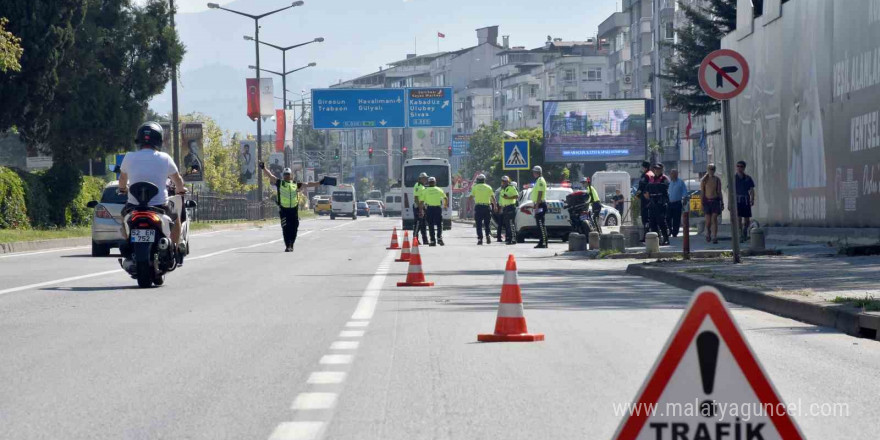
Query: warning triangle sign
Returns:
{"type": "Point", "coordinates": [707, 384]}
{"type": "Point", "coordinates": [516, 157]}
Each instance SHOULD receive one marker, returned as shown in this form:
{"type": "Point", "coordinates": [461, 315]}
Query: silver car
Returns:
{"type": "Point", "coordinates": [107, 221]}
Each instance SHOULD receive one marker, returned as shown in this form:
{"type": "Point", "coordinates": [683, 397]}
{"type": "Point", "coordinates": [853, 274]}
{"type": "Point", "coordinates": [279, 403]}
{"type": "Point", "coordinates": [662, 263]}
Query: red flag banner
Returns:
{"type": "Point", "coordinates": [687, 130]}
{"type": "Point", "coordinates": [441, 35]}
{"type": "Point", "coordinates": [279, 131]}
{"type": "Point", "coordinates": [253, 99]}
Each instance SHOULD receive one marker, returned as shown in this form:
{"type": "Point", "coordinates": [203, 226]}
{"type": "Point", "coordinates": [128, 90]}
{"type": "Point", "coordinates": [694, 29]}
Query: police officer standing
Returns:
{"type": "Point", "coordinates": [642, 194]}
{"type": "Point", "coordinates": [288, 203]}
{"type": "Point", "coordinates": [484, 204]}
{"type": "Point", "coordinates": [433, 201]}
{"type": "Point", "coordinates": [538, 196]}
{"type": "Point", "coordinates": [507, 196]}
{"type": "Point", "coordinates": [419, 220]}
{"type": "Point", "coordinates": [658, 202]}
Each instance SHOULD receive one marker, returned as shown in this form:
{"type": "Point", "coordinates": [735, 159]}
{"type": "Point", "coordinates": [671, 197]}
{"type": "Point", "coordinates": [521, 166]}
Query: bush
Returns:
{"type": "Point", "coordinates": [13, 210]}
{"type": "Point", "coordinates": [35, 197]}
{"type": "Point", "coordinates": [63, 183]}
{"type": "Point", "coordinates": [77, 213]}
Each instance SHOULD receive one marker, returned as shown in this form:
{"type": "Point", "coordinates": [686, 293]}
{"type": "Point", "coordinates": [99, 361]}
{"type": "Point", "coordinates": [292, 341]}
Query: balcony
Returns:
{"type": "Point", "coordinates": [617, 20]}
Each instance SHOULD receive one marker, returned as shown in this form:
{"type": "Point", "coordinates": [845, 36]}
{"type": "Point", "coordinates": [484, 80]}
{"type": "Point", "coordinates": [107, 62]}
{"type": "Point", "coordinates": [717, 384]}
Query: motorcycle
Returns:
{"type": "Point", "coordinates": [582, 216]}
{"type": "Point", "coordinates": [148, 228]}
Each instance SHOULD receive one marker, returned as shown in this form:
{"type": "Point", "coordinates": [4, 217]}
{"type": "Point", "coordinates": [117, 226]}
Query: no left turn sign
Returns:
{"type": "Point", "coordinates": [724, 74]}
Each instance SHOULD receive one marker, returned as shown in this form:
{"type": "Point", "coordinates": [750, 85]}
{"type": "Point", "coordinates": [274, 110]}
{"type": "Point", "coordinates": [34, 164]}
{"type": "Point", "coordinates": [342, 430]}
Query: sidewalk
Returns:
{"type": "Point", "coordinates": [810, 283]}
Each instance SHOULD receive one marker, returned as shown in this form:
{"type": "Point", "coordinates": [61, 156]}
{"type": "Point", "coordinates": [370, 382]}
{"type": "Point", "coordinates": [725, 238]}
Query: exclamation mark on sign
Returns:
{"type": "Point", "coordinates": [707, 352]}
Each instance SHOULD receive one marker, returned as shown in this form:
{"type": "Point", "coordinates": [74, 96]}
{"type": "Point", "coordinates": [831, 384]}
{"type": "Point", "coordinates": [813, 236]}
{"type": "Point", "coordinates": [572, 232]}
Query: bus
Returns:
{"type": "Point", "coordinates": [433, 167]}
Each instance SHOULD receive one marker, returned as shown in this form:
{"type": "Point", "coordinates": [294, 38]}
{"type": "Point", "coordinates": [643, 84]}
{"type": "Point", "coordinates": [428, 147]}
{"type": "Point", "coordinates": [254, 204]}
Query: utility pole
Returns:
{"type": "Point", "coordinates": [658, 94]}
{"type": "Point", "coordinates": [175, 123]}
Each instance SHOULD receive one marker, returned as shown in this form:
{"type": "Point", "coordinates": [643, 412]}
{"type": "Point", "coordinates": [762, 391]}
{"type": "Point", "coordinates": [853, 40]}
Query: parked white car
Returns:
{"type": "Point", "coordinates": [107, 221]}
{"type": "Point", "coordinates": [557, 219]}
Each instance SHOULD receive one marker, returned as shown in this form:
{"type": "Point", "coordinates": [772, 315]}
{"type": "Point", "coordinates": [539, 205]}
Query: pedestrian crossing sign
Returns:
{"type": "Point", "coordinates": [515, 155]}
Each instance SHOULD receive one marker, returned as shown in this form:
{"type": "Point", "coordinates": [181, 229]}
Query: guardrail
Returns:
{"type": "Point", "coordinates": [235, 207]}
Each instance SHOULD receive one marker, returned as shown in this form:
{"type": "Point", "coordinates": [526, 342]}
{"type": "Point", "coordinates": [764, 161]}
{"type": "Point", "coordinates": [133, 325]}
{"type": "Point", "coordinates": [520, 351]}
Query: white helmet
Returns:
{"type": "Point", "coordinates": [423, 175]}
{"type": "Point", "coordinates": [505, 179]}
{"type": "Point", "coordinates": [432, 180]}
{"type": "Point", "coordinates": [287, 171]}
{"type": "Point", "coordinates": [513, 183]}
{"type": "Point", "coordinates": [538, 169]}
{"type": "Point", "coordinates": [481, 178]}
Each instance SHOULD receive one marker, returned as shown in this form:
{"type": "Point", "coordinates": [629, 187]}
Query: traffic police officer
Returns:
{"type": "Point", "coordinates": [507, 196]}
{"type": "Point", "coordinates": [288, 203]}
{"type": "Point", "coordinates": [484, 203]}
{"type": "Point", "coordinates": [433, 200]}
{"type": "Point", "coordinates": [538, 196]}
{"type": "Point", "coordinates": [419, 220]}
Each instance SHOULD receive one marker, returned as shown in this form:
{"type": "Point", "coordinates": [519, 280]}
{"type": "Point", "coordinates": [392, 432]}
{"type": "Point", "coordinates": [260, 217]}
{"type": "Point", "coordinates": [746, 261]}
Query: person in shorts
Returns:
{"type": "Point", "coordinates": [710, 188]}
{"type": "Point", "coordinates": [745, 198]}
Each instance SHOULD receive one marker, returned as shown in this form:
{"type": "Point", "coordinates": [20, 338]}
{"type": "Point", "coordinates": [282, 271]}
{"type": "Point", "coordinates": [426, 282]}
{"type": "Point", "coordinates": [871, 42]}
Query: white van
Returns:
{"type": "Point", "coordinates": [433, 167]}
{"type": "Point", "coordinates": [343, 202]}
{"type": "Point", "coordinates": [394, 202]}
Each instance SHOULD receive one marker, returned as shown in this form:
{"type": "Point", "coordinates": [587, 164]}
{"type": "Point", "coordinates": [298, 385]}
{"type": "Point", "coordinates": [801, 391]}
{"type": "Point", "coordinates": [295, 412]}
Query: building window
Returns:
{"type": "Point", "coordinates": [533, 91]}
{"type": "Point", "coordinates": [670, 31]}
{"type": "Point", "coordinates": [440, 80]}
{"type": "Point", "coordinates": [533, 112]}
{"type": "Point", "coordinates": [569, 75]}
{"type": "Point", "coordinates": [570, 96]}
{"type": "Point", "coordinates": [594, 74]}
{"type": "Point", "coordinates": [594, 95]}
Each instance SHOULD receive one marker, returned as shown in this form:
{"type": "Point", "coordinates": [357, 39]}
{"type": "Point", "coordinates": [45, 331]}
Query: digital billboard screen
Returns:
{"type": "Point", "coordinates": [595, 131]}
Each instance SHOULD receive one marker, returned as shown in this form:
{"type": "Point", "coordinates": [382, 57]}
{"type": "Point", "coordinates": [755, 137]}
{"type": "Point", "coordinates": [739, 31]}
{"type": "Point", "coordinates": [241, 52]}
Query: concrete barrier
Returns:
{"type": "Point", "coordinates": [757, 242]}
{"type": "Point", "coordinates": [577, 242]}
{"type": "Point", "coordinates": [594, 240]}
{"type": "Point", "coordinates": [605, 242]}
{"type": "Point", "coordinates": [652, 243]}
{"type": "Point", "coordinates": [617, 243]}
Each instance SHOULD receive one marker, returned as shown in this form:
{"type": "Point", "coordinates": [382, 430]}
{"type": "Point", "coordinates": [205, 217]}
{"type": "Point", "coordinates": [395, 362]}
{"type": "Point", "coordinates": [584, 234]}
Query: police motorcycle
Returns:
{"type": "Point", "coordinates": [581, 214]}
{"type": "Point", "coordinates": [148, 228]}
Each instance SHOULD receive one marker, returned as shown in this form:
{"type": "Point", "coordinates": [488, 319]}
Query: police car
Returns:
{"type": "Point", "coordinates": [557, 219]}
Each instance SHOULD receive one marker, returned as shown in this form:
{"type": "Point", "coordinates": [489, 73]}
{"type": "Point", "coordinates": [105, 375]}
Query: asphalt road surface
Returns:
{"type": "Point", "coordinates": [248, 342]}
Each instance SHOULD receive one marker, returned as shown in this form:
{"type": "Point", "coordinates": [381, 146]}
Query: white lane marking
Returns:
{"type": "Point", "coordinates": [62, 280]}
{"type": "Point", "coordinates": [306, 401]}
{"type": "Point", "coordinates": [336, 359]}
{"type": "Point", "coordinates": [357, 323]}
{"type": "Point", "coordinates": [367, 305]}
{"type": "Point", "coordinates": [344, 345]}
{"type": "Point", "coordinates": [297, 431]}
{"type": "Point", "coordinates": [326, 377]}
{"type": "Point", "coordinates": [351, 333]}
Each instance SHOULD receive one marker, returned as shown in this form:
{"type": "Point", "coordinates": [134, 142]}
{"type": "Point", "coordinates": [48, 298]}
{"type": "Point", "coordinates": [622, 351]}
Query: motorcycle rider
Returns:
{"type": "Point", "coordinates": [594, 201]}
{"type": "Point", "coordinates": [507, 197]}
{"type": "Point", "coordinates": [149, 164]}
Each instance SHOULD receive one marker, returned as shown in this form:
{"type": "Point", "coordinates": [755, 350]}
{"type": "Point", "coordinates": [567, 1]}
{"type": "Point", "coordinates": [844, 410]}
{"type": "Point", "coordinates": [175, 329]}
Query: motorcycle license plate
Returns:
{"type": "Point", "coordinates": [585, 217]}
{"type": "Point", "coordinates": [143, 235]}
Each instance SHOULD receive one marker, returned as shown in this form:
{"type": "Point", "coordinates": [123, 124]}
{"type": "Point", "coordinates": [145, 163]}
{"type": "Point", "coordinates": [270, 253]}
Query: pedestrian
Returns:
{"type": "Point", "coordinates": [658, 202]}
{"type": "Point", "coordinates": [745, 198]}
{"type": "Point", "coordinates": [713, 204]}
{"type": "Point", "coordinates": [618, 199]}
{"type": "Point", "coordinates": [419, 221]}
{"type": "Point", "coordinates": [287, 200]}
{"type": "Point", "coordinates": [677, 193]}
{"type": "Point", "coordinates": [642, 196]}
{"type": "Point", "coordinates": [539, 193]}
{"type": "Point", "coordinates": [484, 205]}
{"type": "Point", "coordinates": [433, 201]}
{"type": "Point", "coordinates": [507, 197]}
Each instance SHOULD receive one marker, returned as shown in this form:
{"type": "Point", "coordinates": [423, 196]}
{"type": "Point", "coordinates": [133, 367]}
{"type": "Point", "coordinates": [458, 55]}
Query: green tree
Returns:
{"type": "Point", "coordinates": [702, 34]}
{"type": "Point", "coordinates": [121, 58]}
{"type": "Point", "coordinates": [485, 150]}
{"type": "Point", "coordinates": [46, 29]}
{"type": "Point", "coordinates": [362, 187]}
{"type": "Point", "coordinates": [10, 49]}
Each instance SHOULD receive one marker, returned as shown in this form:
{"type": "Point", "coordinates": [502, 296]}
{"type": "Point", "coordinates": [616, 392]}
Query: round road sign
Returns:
{"type": "Point", "coordinates": [724, 74]}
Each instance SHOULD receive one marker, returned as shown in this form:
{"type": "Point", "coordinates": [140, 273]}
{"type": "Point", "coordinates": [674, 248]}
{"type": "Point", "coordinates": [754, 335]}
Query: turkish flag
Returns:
{"type": "Point", "coordinates": [279, 131]}
{"type": "Point", "coordinates": [441, 35]}
{"type": "Point", "coordinates": [687, 130]}
{"type": "Point", "coordinates": [253, 99]}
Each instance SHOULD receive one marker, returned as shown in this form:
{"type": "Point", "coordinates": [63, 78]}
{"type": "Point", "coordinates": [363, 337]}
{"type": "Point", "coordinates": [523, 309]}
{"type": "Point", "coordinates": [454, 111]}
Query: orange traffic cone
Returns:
{"type": "Point", "coordinates": [414, 275]}
{"type": "Point", "coordinates": [404, 251]}
{"type": "Point", "coordinates": [394, 244]}
{"type": "Point", "coordinates": [510, 325]}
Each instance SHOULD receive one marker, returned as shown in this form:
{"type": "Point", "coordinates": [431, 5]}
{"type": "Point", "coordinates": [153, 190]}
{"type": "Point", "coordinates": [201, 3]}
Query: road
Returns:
{"type": "Point", "coordinates": [248, 342]}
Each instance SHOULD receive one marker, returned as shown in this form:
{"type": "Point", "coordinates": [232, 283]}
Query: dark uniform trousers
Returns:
{"type": "Point", "coordinates": [673, 217]}
{"type": "Point", "coordinates": [483, 217]}
{"type": "Point", "coordinates": [657, 210]}
{"type": "Point", "coordinates": [508, 213]}
{"type": "Point", "coordinates": [289, 224]}
{"type": "Point", "coordinates": [420, 224]}
{"type": "Point", "coordinates": [542, 224]}
{"type": "Point", "coordinates": [434, 215]}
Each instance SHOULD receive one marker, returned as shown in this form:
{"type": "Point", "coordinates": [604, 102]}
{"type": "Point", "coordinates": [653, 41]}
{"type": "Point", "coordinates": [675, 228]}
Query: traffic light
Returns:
{"type": "Point", "coordinates": [370, 152]}
{"type": "Point", "coordinates": [403, 150]}
{"type": "Point", "coordinates": [450, 151]}
{"type": "Point", "coordinates": [337, 154]}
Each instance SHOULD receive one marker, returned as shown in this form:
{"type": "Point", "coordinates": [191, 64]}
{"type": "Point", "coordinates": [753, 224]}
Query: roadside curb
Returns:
{"type": "Point", "coordinates": [847, 319]}
{"type": "Point", "coordinates": [58, 243]}
{"type": "Point", "coordinates": [704, 254]}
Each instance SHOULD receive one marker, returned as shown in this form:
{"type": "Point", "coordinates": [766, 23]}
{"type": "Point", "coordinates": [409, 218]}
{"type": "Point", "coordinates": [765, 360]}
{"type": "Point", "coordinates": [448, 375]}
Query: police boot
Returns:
{"type": "Point", "coordinates": [440, 241]}
{"type": "Point", "coordinates": [489, 239]}
{"type": "Point", "coordinates": [479, 241]}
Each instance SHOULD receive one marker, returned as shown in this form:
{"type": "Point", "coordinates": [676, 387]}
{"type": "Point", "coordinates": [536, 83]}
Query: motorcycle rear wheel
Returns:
{"type": "Point", "coordinates": [144, 274]}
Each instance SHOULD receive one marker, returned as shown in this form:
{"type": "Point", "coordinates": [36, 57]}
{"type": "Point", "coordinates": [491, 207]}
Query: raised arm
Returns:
{"type": "Point", "coordinates": [272, 179]}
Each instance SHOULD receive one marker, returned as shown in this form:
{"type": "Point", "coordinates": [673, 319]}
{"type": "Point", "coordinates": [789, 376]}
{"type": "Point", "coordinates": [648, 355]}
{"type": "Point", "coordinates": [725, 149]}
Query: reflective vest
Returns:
{"type": "Point", "coordinates": [509, 190]}
{"type": "Point", "coordinates": [288, 196]}
{"type": "Point", "coordinates": [482, 194]}
{"type": "Point", "coordinates": [432, 196]}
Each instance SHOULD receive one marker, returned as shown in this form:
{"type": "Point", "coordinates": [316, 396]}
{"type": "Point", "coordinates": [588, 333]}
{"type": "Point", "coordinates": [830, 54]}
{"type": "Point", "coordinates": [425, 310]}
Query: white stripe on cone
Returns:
{"type": "Point", "coordinates": [415, 268]}
{"type": "Point", "coordinates": [508, 310]}
{"type": "Point", "coordinates": [510, 278]}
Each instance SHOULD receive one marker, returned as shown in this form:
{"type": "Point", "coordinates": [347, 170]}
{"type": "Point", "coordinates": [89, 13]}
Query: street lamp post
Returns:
{"type": "Point", "coordinates": [284, 62]}
{"type": "Point", "coordinates": [256, 19]}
